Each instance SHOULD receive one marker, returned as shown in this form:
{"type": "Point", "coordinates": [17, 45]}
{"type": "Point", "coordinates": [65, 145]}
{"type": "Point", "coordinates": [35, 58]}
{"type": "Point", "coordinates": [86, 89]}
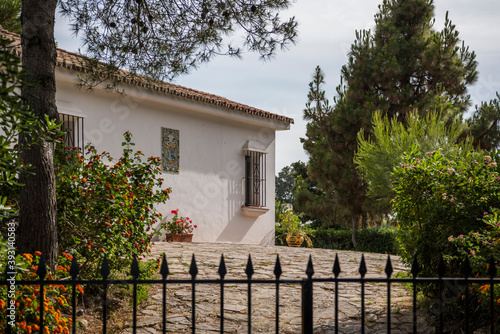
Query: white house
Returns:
{"type": "Point", "coordinates": [218, 155]}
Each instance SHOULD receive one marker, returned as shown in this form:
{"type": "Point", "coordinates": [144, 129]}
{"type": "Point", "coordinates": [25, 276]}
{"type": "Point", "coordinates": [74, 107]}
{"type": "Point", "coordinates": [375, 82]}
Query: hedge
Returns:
{"type": "Point", "coordinates": [373, 240]}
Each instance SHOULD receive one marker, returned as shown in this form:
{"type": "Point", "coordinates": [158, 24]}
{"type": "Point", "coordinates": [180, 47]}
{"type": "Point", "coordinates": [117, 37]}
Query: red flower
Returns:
{"type": "Point", "coordinates": [195, 226]}
{"type": "Point", "coordinates": [174, 212]}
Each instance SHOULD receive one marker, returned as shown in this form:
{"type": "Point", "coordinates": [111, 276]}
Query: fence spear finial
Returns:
{"type": "Point", "coordinates": [336, 266]}
{"type": "Point", "coordinates": [105, 267]}
{"type": "Point", "coordinates": [388, 267]}
{"type": "Point", "coordinates": [362, 266]}
{"type": "Point", "coordinates": [134, 268]}
{"type": "Point", "coordinates": [74, 270]}
{"type": "Point", "coordinates": [41, 271]}
{"type": "Point", "coordinates": [193, 268]}
{"type": "Point", "coordinates": [310, 269]}
{"type": "Point", "coordinates": [222, 267]}
{"type": "Point", "coordinates": [249, 269]}
{"type": "Point", "coordinates": [164, 267]}
{"type": "Point", "coordinates": [277, 267]}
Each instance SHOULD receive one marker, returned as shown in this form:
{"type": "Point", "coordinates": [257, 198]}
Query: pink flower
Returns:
{"type": "Point", "coordinates": [485, 213]}
{"type": "Point", "coordinates": [452, 200]}
{"type": "Point", "coordinates": [450, 237]}
{"type": "Point", "coordinates": [460, 236]}
{"type": "Point", "coordinates": [473, 252]}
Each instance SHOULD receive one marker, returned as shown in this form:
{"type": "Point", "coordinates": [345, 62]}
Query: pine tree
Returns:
{"type": "Point", "coordinates": [484, 125]}
{"type": "Point", "coordinates": [10, 12]}
{"type": "Point", "coordinates": [377, 158]}
{"type": "Point", "coordinates": [403, 65]}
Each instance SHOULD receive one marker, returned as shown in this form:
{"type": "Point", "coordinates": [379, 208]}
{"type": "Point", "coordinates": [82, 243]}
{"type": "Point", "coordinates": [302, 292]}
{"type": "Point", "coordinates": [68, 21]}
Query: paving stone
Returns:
{"type": "Point", "coordinates": [293, 262]}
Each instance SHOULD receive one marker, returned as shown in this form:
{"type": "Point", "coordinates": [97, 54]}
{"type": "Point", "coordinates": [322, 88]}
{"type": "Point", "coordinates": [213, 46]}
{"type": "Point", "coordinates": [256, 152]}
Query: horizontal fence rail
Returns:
{"type": "Point", "coordinates": [306, 283]}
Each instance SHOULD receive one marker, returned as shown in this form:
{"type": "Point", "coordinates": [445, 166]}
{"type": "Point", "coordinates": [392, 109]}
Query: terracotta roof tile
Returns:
{"type": "Point", "coordinates": [74, 62]}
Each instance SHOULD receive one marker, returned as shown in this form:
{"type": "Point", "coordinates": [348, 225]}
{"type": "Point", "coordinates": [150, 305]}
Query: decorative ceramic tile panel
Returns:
{"type": "Point", "coordinates": [170, 150]}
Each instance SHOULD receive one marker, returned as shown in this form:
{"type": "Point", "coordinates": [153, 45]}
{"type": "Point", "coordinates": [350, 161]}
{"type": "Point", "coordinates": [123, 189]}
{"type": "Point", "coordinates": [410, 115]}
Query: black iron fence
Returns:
{"type": "Point", "coordinates": [307, 284]}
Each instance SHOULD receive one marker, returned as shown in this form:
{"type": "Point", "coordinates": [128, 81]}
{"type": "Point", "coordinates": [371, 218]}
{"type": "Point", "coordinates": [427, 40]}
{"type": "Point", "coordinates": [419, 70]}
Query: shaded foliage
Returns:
{"type": "Point", "coordinates": [10, 12]}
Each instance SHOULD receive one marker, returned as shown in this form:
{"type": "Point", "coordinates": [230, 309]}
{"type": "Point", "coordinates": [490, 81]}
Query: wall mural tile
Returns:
{"type": "Point", "coordinates": [170, 150]}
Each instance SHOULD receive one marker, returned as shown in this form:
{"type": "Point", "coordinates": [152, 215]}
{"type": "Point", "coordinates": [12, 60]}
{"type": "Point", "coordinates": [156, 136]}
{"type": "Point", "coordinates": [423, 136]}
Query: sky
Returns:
{"type": "Point", "coordinates": [326, 32]}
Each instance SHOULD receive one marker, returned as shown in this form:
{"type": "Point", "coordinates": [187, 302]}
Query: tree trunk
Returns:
{"type": "Point", "coordinates": [354, 228]}
{"type": "Point", "coordinates": [364, 221]}
{"type": "Point", "coordinates": [38, 222]}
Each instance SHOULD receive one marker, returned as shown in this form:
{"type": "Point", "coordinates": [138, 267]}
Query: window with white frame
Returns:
{"type": "Point", "coordinates": [255, 176]}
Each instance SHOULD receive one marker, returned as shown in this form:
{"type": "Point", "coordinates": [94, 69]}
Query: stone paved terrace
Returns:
{"type": "Point", "coordinates": [293, 262]}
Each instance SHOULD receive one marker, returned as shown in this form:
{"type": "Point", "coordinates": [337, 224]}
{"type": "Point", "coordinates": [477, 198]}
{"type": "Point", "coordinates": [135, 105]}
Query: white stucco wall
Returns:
{"type": "Point", "coordinates": [209, 187]}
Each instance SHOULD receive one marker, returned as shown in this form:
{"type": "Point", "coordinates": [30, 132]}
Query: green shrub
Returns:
{"type": "Point", "coordinates": [480, 247]}
{"type": "Point", "coordinates": [373, 240]}
{"type": "Point", "coordinates": [437, 198]}
{"type": "Point", "coordinates": [107, 207]}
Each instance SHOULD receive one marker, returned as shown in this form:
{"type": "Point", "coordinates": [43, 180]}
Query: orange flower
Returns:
{"type": "Point", "coordinates": [74, 176]}
{"type": "Point", "coordinates": [38, 253]}
{"type": "Point", "coordinates": [80, 289]}
{"type": "Point", "coordinates": [28, 329]}
{"type": "Point", "coordinates": [2, 303]}
{"type": "Point", "coordinates": [35, 327]}
{"type": "Point", "coordinates": [84, 180]}
{"type": "Point", "coordinates": [484, 288]}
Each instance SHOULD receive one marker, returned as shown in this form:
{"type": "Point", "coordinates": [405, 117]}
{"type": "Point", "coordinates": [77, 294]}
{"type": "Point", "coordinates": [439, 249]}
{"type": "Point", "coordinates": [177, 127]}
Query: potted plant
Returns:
{"type": "Point", "coordinates": [292, 229]}
{"type": "Point", "coordinates": [178, 229]}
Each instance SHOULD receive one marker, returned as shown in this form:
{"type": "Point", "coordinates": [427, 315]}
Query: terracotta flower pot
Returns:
{"type": "Point", "coordinates": [184, 237]}
{"type": "Point", "coordinates": [294, 240]}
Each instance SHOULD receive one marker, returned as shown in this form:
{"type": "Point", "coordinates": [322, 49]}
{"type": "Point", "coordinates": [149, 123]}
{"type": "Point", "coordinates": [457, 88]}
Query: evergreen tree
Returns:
{"type": "Point", "coordinates": [10, 15]}
{"type": "Point", "coordinates": [285, 181]}
{"type": "Point", "coordinates": [484, 126]}
{"type": "Point", "coordinates": [377, 158]}
{"type": "Point", "coordinates": [403, 65]}
{"type": "Point", "coordinates": [159, 39]}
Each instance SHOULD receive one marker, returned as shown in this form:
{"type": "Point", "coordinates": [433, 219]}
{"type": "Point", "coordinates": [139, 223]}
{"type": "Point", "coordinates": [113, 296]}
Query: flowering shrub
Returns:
{"type": "Point", "coordinates": [437, 198]}
{"type": "Point", "coordinates": [178, 224]}
{"type": "Point", "coordinates": [107, 205]}
{"type": "Point", "coordinates": [25, 315]}
{"type": "Point", "coordinates": [480, 246]}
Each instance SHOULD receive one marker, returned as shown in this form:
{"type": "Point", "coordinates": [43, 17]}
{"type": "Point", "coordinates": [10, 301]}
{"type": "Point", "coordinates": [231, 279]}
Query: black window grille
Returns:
{"type": "Point", "coordinates": [73, 128]}
{"type": "Point", "coordinates": [255, 179]}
